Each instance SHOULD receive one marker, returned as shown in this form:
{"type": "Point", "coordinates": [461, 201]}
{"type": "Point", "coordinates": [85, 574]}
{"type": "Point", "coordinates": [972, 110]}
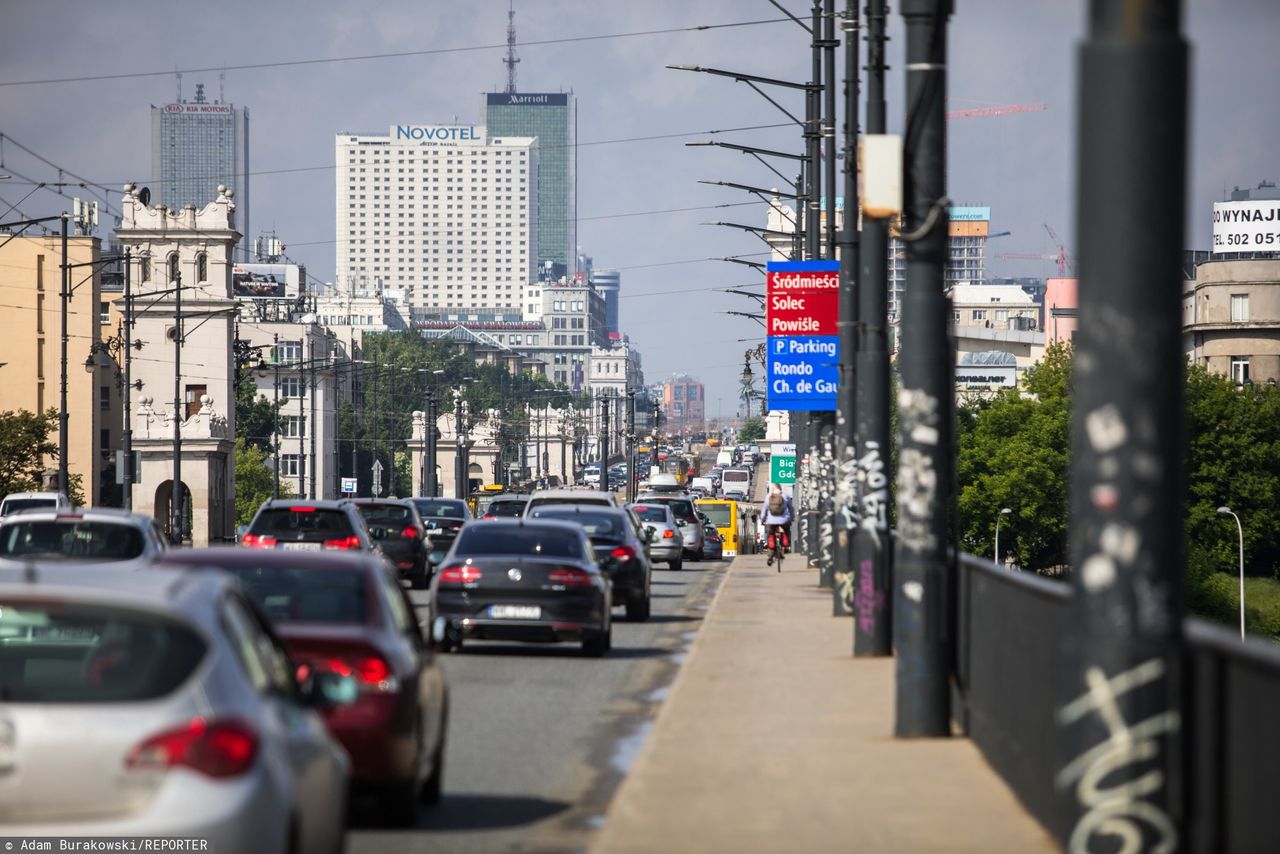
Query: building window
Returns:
{"type": "Point", "coordinates": [290, 387]}
{"type": "Point", "coordinates": [979, 314]}
{"type": "Point", "coordinates": [202, 267]}
{"type": "Point", "coordinates": [191, 399]}
{"type": "Point", "coordinates": [104, 397]}
{"type": "Point", "coordinates": [145, 268]}
{"type": "Point", "coordinates": [173, 267]}
{"type": "Point", "coordinates": [1240, 369]}
{"type": "Point", "coordinates": [104, 312]}
{"type": "Point", "coordinates": [1239, 308]}
{"type": "Point", "coordinates": [292, 465]}
{"type": "Point", "coordinates": [289, 351]}
{"type": "Point", "coordinates": [291, 426]}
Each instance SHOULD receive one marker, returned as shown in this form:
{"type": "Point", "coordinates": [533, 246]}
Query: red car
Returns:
{"type": "Point", "coordinates": [346, 612]}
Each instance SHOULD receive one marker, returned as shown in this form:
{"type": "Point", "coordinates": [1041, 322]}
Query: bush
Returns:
{"type": "Point", "coordinates": [1217, 597]}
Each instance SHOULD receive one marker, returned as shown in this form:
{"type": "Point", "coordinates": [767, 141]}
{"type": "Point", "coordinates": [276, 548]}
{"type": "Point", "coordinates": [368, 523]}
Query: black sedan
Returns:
{"type": "Point", "coordinates": [444, 517]}
{"type": "Point", "coordinates": [619, 550]}
{"type": "Point", "coordinates": [400, 534]}
{"type": "Point", "coordinates": [523, 580]}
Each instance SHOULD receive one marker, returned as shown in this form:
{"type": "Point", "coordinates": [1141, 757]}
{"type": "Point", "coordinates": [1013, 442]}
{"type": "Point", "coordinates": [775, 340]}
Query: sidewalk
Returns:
{"type": "Point", "coordinates": [775, 739]}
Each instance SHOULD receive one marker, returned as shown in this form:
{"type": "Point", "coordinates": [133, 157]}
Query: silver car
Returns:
{"type": "Point", "coordinates": [82, 535]}
{"type": "Point", "coordinates": [666, 542]}
{"type": "Point", "coordinates": [686, 515]}
{"type": "Point", "coordinates": [160, 703]}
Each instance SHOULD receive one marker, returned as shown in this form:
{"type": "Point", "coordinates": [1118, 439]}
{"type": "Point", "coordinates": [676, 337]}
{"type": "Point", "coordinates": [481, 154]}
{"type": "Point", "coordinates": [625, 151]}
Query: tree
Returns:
{"type": "Point", "coordinates": [254, 481]}
{"type": "Point", "coordinates": [752, 430]}
{"type": "Point", "coordinates": [255, 414]}
{"type": "Point", "coordinates": [24, 445]}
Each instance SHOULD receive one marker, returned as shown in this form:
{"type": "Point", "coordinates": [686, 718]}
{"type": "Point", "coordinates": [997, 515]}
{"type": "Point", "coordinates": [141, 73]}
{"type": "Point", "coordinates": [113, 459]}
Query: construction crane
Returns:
{"type": "Point", "coordinates": [1064, 261]}
{"type": "Point", "coordinates": [1001, 110]}
{"type": "Point", "coordinates": [1062, 251]}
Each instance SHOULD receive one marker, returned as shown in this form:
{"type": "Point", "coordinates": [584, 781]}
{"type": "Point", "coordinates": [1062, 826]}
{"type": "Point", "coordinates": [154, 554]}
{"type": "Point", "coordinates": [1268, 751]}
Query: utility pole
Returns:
{"type": "Point", "coordinates": [177, 500]}
{"type": "Point", "coordinates": [302, 426]}
{"type": "Point", "coordinates": [275, 415]}
{"type": "Point", "coordinates": [126, 438]}
{"type": "Point", "coordinates": [810, 424]}
{"type": "Point", "coordinates": [923, 633]}
{"type": "Point", "coordinates": [872, 625]}
{"type": "Point", "coordinates": [1123, 646]}
{"type": "Point", "coordinates": [311, 463]}
{"type": "Point", "coordinates": [429, 477]}
{"type": "Point", "coordinates": [604, 443]}
{"type": "Point", "coordinates": [63, 479]}
{"type": "Point", "coordinates": [631, 446]}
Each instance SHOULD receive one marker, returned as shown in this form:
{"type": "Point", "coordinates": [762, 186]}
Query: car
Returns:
{"type": "Point", "coordinates": [99, 535]}
{"type": "Point", "coordinates": [591, 475]}
{"type": "Point", "coordinates": [712, 544]}
{"type": "Point", "coordinates": [16, 502]}
{"type": "Point", "coordinates": [398, 530]}
{"type": "Point", "coordinates": [299, 525]}
{"type": "Point", "coordinates": [687, 519]}
{"type": "Point", "coordinates": [619, 546]}
{"type": "Point", "coordinates": [444, 517]}
{"type": "Point", "coordinates": [532, 580]}
{"type": "Point", "coordinates": [346, 613]}
{"type": "Point", "coordinates": [666, 543]}
{"type": "Point", "coordinates": [161, 703]}
{"type": "Point", "coordinates": [506, 506]}
{"type": "Point", "coordinates": [569, 496]}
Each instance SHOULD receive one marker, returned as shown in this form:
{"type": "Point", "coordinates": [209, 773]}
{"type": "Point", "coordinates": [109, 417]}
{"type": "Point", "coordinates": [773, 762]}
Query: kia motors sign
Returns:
{"type": "Point", "coordinates": [801, 310]}
{"type": "Point", "coordinates": [203, 109]}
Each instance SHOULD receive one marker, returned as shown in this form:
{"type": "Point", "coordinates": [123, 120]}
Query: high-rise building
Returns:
{"type": "Point", "coordinates": [684, 404]}
{"type": "Point", "coordinates": [552, 117]}
{"type": "Point", "coordinates": [445, 213]}
{"type": "Point", "coordinates": [609, 283]}
{"type": "Point", "coordinates": [197, 146]}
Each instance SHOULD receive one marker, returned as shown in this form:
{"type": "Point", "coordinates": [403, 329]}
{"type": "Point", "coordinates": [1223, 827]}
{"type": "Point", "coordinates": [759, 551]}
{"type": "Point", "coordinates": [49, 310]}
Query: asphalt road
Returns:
{"type": "Point", "coordinates": [540, 736]}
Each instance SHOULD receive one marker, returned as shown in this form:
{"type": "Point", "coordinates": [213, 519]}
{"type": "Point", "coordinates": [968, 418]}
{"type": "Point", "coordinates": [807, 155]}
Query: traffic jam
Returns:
{"type": "Point", "coordinates": [290, 681]}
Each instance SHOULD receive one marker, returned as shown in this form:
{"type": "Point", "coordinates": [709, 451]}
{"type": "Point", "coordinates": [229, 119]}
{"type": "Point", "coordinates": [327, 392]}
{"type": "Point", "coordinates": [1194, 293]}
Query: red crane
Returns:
{"type": "Point", "coordinates": [1063, 261]}
{"type": "Point", "coordinates": [1001, 110]}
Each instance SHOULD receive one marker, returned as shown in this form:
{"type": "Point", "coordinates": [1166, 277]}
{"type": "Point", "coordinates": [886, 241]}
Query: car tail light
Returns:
{"type": "Point", "coordinates": [461, 574]}
{"type": "Point", "coordinates": [258, 541]}
{"type": "Point", "coordinates": [569, 576]}
{"type": "Point", "coordinates": [371, 672]}
{"type": "Point", "coordinates": [302, 509]}
{"type": "Point", "coordinates": [668, 534]}
{"type": "Point", "coordinates": [215, 748]}
{"type": "Point", "coordinates": [351, 542]}
{"type": "Point", "coordinates": [623, 553]}
{"type": "Point", "coordinates": [411, 532]}
{"type": "Point", "coordinates": [488, 516]}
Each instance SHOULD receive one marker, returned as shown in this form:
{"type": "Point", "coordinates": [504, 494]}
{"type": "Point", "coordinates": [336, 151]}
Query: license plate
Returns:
{"type": "Point", "coordinates": [300, 546]}
{"type": "Point", "coordinates": [515, 612]}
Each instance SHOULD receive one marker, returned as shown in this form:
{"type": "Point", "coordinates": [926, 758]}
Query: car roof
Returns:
{"type": "Point", "coordinates": [151, 587]}
{"type": "Point", "coordinates": [524, 522]}
{"type": "Point", "coordinates": [236, 556]}
{"type": "Point", "coordinates": [93, 514]}
{"type": "Point", "coordinates": [550, 495]}
{"type": "Point", "coordinates": [54, 495]}
{"type": "Point", "coordinates": [578, 508]}
{"type": "Point", "coordinates": [319, 503]}
{"type": "Point", "coordinates": [439, 499]}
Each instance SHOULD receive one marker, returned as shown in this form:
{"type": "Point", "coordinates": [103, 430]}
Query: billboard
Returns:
{"type": "Point", "coordinates": [1246, 226]}
{"type": "Point", "coordinates": [267, 281]}
{"type": "Point", "coordinates": [530, 99]}
{"type": "Point", "coordinates": [986, 376]}
{"type": "Point", "coordinates": [202, 109]}
{"type": "Point", "coordinates": [438, 135]}
{"type": "Point", "coordinates": [964, 213]}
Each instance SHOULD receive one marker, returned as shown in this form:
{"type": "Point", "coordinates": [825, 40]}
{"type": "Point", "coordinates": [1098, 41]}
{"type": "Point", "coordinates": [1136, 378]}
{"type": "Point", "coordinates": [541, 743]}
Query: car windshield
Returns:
{"type": "Point", "coordinates": [299, 595]}
{"type": "Point", "coordinates": [441, 509]}
{"type": "Point", "coordinates": [58, 652]}
{"type": "Point", "coordinates": [650, 513]}
{"type": "Point", "coordinates": [71, 538]}
{"type": "Point", "coordinates": [529, 541]}
{"type": "Point", "coordinates": [720, 515]}
{"type": "Point", "coordinates": [384, 514]}
{"type": "Point", "coordinates": [595, 524]}
{"type": "Point", "coordinates": [301, 522]}
{"type": "Point", "coordinates": [507, 508]}
{"type": "Point", "coordinates": [13, 505]}
{"type": "Point", "coordinates": [681, 508]}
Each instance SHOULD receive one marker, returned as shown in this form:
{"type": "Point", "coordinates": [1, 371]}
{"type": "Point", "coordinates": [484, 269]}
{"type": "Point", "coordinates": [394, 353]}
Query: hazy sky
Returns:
{"type": "Point", "coordinates": [1002, 52]}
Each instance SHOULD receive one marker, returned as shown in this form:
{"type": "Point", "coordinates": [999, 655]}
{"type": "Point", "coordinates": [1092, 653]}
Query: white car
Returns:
{"type": "Point", "coordinates": [160, 703]}
{"type": "Point", "coordinates": [18, 501]}
{"type": "Point", "coordinates": [100, 535]}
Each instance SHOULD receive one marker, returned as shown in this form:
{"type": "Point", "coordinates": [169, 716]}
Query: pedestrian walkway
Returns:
{"type": "Point", "coordinates": [775, 739]}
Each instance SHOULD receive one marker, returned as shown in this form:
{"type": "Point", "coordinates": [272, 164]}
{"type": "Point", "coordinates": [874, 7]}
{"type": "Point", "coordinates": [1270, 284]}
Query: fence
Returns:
{"type": "Point", "coordinates": [1010, 626]}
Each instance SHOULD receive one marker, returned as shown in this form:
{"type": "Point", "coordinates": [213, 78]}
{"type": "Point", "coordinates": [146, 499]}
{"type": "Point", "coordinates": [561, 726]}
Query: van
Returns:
{"type": "Point", "coordinates": [736, 480]}
{"type": "Point", "coordinates": [724, 459]}
{"type": "Point", "coordinates": [33, 500]}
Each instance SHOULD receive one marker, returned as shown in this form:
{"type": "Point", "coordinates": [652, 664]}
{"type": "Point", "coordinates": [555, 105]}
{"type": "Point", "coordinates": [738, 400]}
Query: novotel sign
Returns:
{"type": "Point", "coordinates": [438, 134]}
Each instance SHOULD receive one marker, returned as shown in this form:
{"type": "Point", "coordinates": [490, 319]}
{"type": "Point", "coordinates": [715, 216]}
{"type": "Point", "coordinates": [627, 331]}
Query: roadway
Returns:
{"type": "Point", "coordinates": [540, 737]}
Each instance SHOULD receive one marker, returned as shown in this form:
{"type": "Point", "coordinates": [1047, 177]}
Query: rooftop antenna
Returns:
{"type": "Point", "coordinates": [222, 82]}
{"type": "Point", "coordinates": [511, 58]}
{"type": "Point", "coordinates": [179, 76]}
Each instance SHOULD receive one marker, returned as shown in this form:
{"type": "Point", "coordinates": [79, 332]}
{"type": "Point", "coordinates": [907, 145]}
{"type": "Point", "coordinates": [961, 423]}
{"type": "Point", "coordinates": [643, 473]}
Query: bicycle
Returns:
{"type": "Point", "coordinates": [777, 552]}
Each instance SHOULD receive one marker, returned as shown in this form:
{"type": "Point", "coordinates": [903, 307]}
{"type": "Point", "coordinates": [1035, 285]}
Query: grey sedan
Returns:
{"type": "Point", "coordinates": [666, 542]}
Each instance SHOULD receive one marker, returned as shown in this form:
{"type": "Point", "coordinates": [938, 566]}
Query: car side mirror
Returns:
{"type": "Point", "coordinates": [324, 689]}
{"type": "Point", "coordinates": [649, 534]}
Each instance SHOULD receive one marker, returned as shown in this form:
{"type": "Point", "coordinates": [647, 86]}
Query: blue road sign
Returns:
{"type": "Point", "coordinates": [804, 371]}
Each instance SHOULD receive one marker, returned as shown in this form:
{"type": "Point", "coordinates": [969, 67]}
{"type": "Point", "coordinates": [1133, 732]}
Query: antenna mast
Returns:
{"type": "Point", "coordinates": [511, 58]}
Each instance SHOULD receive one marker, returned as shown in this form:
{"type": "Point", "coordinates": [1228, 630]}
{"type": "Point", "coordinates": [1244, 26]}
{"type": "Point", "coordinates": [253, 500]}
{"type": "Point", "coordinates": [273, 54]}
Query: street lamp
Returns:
{"type": "Point", "coordinates": [1004, 511]}
{"type": "Point", "coordinates": [263, 370]}
{"type": "Point", "coordinates": [747, 378]}
{"type": "Point", "coordinates": [1226, 511]}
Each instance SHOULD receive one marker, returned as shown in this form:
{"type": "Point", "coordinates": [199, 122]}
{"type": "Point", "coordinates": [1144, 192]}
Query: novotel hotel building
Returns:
{"type": "Point", "coordinates": [446, 213]}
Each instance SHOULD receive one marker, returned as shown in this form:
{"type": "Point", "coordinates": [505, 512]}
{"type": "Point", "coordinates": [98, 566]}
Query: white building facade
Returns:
{"type": "Point", "coordinates": [445, 213]}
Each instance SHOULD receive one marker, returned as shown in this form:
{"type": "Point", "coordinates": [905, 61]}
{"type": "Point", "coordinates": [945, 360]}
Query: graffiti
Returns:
{"type": "Point", "coordinates": [917, 488]}
{"type": "Point", "coordinates": [868, 600]}
{"type": "Point", "coordinates": [873, 484]}
{"type": "Point", "coordinates": [1120, 810]}
{"type": "Point", "coordinates": [844, 592]}
{"type": "Point", "coordinates": [826, 501]}
{"type": "Point", "coordinates": [846, 478]}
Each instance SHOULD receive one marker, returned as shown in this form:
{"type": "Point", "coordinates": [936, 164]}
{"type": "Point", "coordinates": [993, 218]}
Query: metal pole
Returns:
{"type": "Point", "coordinates": [63, 479]}
{"type": "Point", "coordinates": [1123, 638]}
{"type": "Point", "coordinates": [631, 446]}
{"type": "Point", "coordinates": [275, 417]}
{"type": "Point", "coordinates": [1240, 530]}
{"type": "Point", "coordinates": [872, 626]}
{"type": "Point", "coordinates": [923, 632]}
{"type": "Point", "coordinates": [126, 439]}
{"type": "Point", "coordinates": [430, 487]}
{"type": "Point", "coordinates": [604, 443]}
{"type": "Point", "coordinates": [177, 511]}
{"type": "Point", "coordinates": [844, 515]}
{"type": "Point", "coordinates": [315, 428]}
{"type": "Point", "coordinates": [302, 430]}
{"type": "Point", "coordinates": [829, 45]}
{"type": "Point", "coordinates": [459, 482]}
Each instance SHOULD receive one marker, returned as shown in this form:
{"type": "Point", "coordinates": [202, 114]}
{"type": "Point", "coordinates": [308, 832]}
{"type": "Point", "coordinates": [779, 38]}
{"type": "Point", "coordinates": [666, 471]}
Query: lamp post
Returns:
{"type": "Point", "coordinates": [62, 417]}
{"type": "Point", "coordinates": [1004, 511]}
{"type": "Point", "coordinates": [747, 379]}
{"type": "Point", "coordinates": [429, 487]}
{"type": "Point", "coordinates": [1226, 511]}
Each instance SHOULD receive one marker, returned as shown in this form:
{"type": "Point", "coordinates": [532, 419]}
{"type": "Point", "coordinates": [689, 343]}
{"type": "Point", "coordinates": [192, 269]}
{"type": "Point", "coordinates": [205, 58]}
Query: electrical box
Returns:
{"type": "Point", "coordinates": [880, 167]}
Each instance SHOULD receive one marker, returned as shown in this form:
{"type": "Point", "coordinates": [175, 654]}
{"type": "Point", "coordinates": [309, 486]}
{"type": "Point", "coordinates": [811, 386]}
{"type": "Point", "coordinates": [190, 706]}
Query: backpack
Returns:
{"type": "Point", "coordinates": [777, 504]}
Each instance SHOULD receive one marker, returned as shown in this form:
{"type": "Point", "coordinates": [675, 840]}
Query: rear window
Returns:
{"type": "Point", "coordinates": [13, 505]}
{"type": "Point", "coordinates": [719, 514]}
{"type": "Point", "coordinates": [297, 523]}
{"type": "Point", "coordinates": [736, 476]}
{"type": "Point", "coordinates": [306, 596]}
{"type": "Point", "coordinates": [384, 514]}
{"type": "Point", "coordinates": [507, 509]}
{"type": "Point", "coordinates": [566, 499]}
{"type": "Point", "coordinates": [648, 513]}
{"type": "Point", "coordinates": [441, 509]}
{"type": "Point", "coordinates": [529, 541]}
{"type": "Point", "coordinates": [68, 653]}
{"type": "Point", "coordinates": [71, 538]}
{"type": "Point", "coordinates": [595, 524]}
{"type": "Point", "coordinates": [681, 508]}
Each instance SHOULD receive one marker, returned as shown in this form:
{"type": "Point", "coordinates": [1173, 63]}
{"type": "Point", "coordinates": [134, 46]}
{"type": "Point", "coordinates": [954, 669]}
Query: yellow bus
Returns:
{"type": "Point", "coordinates": [732, 520]}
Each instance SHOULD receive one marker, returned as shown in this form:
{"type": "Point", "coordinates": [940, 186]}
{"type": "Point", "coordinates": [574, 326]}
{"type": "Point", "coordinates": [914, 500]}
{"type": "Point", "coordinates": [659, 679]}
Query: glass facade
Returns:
{"type": "Point", "coordinates": [553, 119]}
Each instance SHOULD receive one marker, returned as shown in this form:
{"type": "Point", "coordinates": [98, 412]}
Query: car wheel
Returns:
{"type": "Point", "coordinates": [596, 644]}
{"type": "Point", "coordinates": [677, 564]}
{"type": "Point", "coordinates": [638, 609]}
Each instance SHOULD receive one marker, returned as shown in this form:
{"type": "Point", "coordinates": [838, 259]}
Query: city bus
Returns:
{"type": "Point", "coordinates": [732, 520]}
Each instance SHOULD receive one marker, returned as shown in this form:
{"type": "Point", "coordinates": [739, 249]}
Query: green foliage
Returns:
{"type": "Point", "coordinates": [254, 480]}
{"type": "Point", "coordinates": [1012, 452]}
{"type": "Point", "coordinates": [255, 414]}
{"type": "Point", "coordinates": [752, 430]}
{"type": "Point", "coordinates": [1217, 597]}
{"type": "Point", "coordinates": [25, 443]}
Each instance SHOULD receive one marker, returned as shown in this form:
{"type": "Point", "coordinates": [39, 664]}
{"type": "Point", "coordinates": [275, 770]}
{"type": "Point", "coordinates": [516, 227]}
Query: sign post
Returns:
{"type": "Point", "coordinates": [377, 478]}
{"type": "Point", "coordinates": [782, 465]}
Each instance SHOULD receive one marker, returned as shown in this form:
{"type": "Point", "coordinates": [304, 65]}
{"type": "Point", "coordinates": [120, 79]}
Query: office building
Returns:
{"type": "Point", "coordinates": [553, 119]}
{"type": "Point", "coordinates": [1231, 318]}
{"type": "Point", "coordinates": [683, 404]}
{"type": "Point", "coordinates": [445, 213]}
{"type": "Point", "coordinates": [196, 146]}
{"type": "Point", "coordinates": [609, 283]}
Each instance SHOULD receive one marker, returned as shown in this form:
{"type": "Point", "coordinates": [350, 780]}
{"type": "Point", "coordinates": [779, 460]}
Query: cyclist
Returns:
{"type": "Point", "coordinates": [776, 514]}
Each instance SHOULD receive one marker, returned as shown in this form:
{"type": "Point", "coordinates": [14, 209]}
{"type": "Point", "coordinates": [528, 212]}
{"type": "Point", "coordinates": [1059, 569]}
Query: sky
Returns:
{"type": "Point", "coordinates": [1001, 52]}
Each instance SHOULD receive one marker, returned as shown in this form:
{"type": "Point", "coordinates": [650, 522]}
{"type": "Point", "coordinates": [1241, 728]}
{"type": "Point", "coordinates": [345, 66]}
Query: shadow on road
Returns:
{"type": "Point", "coordinates": [481, 648]}
{"type": "Point", "coordinates": [672, 618]}
{"type": "Point", "coordinates": [463, 812]}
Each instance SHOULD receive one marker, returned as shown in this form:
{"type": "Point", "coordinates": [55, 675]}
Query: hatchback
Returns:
{"type": "Point", "coordinates": [666, 543]}
{"type": "Point", "coordinates": [686, 514]}
{"type": "Point", "coordinates": [400, 534]}
{"type": "Point", "coordinates": [308, 526]}
{"type": "Point", "coordinates": [161, 703]}
{"type": "Point", "coordinates": [100, 535]}
{"type": "Point", "coordinates": [444, 517]}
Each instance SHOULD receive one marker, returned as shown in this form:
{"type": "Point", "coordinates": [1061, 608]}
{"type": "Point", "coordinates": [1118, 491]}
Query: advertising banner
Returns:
{"type": "Point", "coordinates": [1246, 226]}
{"type": "Point", "coordinates": [803, 352]}
{"type": "Point", "coordinates": [260, 281]}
